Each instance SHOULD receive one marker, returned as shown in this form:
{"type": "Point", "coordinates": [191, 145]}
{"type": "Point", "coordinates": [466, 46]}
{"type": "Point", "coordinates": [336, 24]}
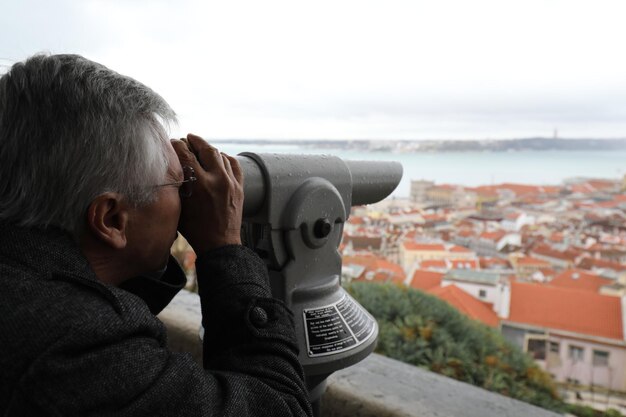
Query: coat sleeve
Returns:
{"type": "Point", "coordinates": [158, 291]}
{"type": "Point", "coordinates": [120, 365]}
{"type": "Point", "coordinates": [246, 330]}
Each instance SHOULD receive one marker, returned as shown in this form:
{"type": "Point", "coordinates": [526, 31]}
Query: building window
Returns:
{"type": "Point", "coordinates": [600, 358]}
{"type": "Point", "coordinates": [554, 347]}
{"type": "Point", "coordinates": [576, 353]}
{"type": "Point", "coordinates": [482, 293]}
{"type": "Point", "coordinates": [537, 348]}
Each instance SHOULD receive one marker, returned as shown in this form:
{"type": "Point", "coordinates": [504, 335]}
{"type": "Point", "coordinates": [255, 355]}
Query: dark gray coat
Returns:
{"type": "Point", "coordinates": [72, 346]}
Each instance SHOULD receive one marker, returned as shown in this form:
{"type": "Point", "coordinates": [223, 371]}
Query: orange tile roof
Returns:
{"type": "Point", "coordinates": [411, 235]}
{"type": "Point", "coordinates": [547, 272]}
{"type": "Point", "coordinates": [466, 304]}
{"type": "Point", "coordinates": [601, 184]}
{"type": "Point", "coordinates": [408, 245]}
{"type": "Point", "coordinates": [425, 280]}
{"type": "Point", "coordinates": [433, 263]}
{"type": "Point", "coordinates": [521, 189]}
{"type": "Point", "coordinates": [582, 188]}
{"type": "Point", "coordinates": [547, 251]}
{"type": "Point", "coordinates": [460, 249]}
{"type": "Point", "coordinates": [608, 204]}
{"type": "Point", "coordinates": [551, 189]}
{"type": "Point", "coordinates": [556, 237]}
{"type": "Point", "coordinates": [566, 309]}
{"type": "Point", "coordinates": [434, 217]}
{"type": "Point", "coordinates": [518, 189]}
{"type": "Point", "coordinates": [356, 220]}
{"type": "Point", "coordinates": [580, 280]}
{"type": "Point", "coordinates": [465, 233]}
{"type": "Point", "coordinates": [382, 269]}
{"type": "Point", "coordinates": [513, 216]}
{"type": "Point", "coordinates": [484, 191]}
{"type": "Point", "coordinates": [574, 252]}
{"type": "Point", "coordinates": [589, 263]}
{"type": "Point", "coordinates": [495, 236]}
{"type": "Point", "coordinates": [530, 261]}
{"type": "Point", "coordinates": [532, 200]}
{"type": "Point", "coordinates": [485, 263]}
{"type": "Point", "coordinates": [363, 242]}
{"type": "Point", "coordinates": [384, 275]}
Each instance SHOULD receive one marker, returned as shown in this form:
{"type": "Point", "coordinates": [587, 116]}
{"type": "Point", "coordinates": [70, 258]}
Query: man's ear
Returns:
{"type": "Point", "coordinates": [107, 220]}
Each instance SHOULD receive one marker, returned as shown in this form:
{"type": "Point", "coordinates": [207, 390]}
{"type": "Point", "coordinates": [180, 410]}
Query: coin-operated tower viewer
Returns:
{"type": "Point", "coordinates": [295, 207]}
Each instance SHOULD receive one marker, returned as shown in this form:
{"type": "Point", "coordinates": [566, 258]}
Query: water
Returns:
{"type": "Point", "coordinates": [477, 168]}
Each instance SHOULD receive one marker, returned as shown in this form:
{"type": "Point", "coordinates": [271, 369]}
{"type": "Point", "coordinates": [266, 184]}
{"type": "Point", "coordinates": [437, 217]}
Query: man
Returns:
{"type": "Point", "coordinates": [91, 197]}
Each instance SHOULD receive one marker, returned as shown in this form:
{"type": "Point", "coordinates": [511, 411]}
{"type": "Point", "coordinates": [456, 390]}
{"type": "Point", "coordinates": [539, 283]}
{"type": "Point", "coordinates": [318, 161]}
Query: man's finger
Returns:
{"type": "Point", "coordinates": [227, 167]}
{"type": "Point", "coordinates": [194, 140]}
{"type": "Point", "coordinates": [185, 156]}
{"type": "Point", "coordinates": [236, 167]}
{"type": "Point", "coordinates": [208, 155]}
{"type": "Point", "coordinates": [196, 143]}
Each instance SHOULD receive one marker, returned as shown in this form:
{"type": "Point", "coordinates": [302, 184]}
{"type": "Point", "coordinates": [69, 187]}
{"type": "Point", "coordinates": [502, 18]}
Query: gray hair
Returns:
{"type": "Point", "coordinates": [70, 130]}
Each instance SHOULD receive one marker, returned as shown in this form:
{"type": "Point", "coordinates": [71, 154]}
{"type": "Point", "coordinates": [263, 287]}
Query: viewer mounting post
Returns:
{"type": "Point", "coordinates": [295, 207]}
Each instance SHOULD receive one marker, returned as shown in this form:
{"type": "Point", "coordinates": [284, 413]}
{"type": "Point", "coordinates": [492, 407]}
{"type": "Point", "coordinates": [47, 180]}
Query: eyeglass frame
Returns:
{"type": "Point", "coordinates": [189, 179]}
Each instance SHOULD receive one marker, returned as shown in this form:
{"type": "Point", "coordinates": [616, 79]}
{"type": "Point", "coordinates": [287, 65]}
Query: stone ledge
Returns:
{"type": "Point", "coordinates": [379, 386]}
{"type": "Point", "coordinates": [376, 387]}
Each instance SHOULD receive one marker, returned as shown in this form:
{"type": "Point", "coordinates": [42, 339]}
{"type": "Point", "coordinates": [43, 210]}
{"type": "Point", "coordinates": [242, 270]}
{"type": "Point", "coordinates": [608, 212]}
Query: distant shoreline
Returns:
{"type": "Point", "coordinates": [470, 168]}
{"type": "Point", "coordinates": [508, 145]}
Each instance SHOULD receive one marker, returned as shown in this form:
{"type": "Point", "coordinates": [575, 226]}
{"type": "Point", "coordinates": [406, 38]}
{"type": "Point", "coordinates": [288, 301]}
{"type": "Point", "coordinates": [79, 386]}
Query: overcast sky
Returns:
{"type": "Point", "coordinates": [352, 69]}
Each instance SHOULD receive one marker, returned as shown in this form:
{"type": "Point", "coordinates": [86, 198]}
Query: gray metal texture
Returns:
{"type": "Point", "coordinates": [369, 181]}
{"type": "Point", "coordinates": [373, 180]}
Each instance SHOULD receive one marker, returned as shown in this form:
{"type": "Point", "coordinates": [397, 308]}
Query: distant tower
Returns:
{"type": "Point", "coordinates": [556, 134]}
{"type": "Point", "coordinates": [418, 190]}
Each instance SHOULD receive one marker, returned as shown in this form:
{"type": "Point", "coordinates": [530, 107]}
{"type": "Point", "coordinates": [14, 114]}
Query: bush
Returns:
{"type": "Point", "coordinates": [422, 330]}
{"type": "Point", "coordinates": [586, 411]}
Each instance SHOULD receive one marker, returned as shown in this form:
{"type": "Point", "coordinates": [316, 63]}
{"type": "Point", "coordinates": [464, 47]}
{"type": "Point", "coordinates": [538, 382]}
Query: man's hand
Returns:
{"type": "Point", "coordinates": [211, 217]}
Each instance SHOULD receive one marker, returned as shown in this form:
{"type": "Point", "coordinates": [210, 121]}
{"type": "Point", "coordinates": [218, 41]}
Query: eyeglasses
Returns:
{"type": "Point", "coordinates": [185, 186]}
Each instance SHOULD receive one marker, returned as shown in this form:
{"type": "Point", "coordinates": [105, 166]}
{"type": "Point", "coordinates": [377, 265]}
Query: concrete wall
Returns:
{"type": "Point", "coordinates": [611, 376]}
{"type": "Point", "coordinates": [564, 368]}
{"type": "Point", "coordinates": [376, 387]}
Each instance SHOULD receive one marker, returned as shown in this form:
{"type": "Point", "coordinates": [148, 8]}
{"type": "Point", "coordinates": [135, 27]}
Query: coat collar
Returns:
{"type": "Point", "coordinates": [48, 252]}
{"type": "Point", "coordinates": [53, 253]}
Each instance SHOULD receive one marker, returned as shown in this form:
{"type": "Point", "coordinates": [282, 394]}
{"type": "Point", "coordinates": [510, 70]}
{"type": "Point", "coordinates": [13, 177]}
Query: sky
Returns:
{"type": "Point", "coordinates": [386, 70]}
